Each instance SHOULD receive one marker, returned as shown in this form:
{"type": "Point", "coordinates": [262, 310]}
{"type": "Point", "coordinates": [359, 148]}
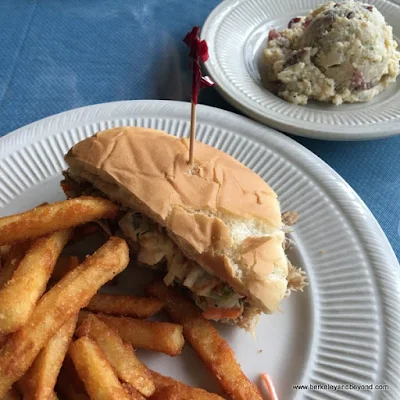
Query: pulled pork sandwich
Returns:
{"type": "Point", "coordinates": [214, 228]}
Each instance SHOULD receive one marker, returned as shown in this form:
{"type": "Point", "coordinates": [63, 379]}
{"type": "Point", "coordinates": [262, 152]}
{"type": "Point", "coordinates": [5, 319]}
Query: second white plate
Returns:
{"type": "Point", "coordinates": [236, 33]}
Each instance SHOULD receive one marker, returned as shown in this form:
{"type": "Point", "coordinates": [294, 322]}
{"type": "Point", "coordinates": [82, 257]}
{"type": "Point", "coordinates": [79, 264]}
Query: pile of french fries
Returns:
{"type": "Point", "coordinates": [60, 338]}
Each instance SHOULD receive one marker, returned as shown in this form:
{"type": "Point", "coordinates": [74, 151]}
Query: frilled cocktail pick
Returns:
{"type": "Point", "coordinates": [198, 53]}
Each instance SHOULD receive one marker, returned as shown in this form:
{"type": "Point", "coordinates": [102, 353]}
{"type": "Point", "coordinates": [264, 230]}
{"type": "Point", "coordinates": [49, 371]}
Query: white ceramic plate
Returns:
{"type": "Point", "coordinates": [236, 33]}
{"type": "Point", "coordinates": [343, 329]}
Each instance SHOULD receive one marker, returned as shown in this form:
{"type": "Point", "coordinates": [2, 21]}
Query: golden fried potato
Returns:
{"type": "Point", "coordinates": [54, 217]}
{"type": "Point", "coordinates": [128, 306]}
{"type": "Point", "coordinates": [19, 295]}
{"type": "Point", "coordinates": [41, 378]}
{"type": "Point", "coordinates": [132, 392]}
{"type": "Point", "coordinates": [95, 371]}
{"type": "Point", "coordinates": [121, 355]}
{"type": "Point", "coordinates": [58, 305]}
{"type": "Point", "coordinates": [170, 389]}
{"type": "Point", "coordinates": [206, 341]}
{"type": "Point", "coordinates": [11, 261]}
{"type": "Point", "coordinates": [164, 337]}
{"type": "Point", "coordinates": [69, 386]}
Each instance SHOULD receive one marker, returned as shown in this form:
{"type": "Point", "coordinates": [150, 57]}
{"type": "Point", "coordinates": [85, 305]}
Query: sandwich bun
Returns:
{"type": "Point", "coordinates": [220, 213]}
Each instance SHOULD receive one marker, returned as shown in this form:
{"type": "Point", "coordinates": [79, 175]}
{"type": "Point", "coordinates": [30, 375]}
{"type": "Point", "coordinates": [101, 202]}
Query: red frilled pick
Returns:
{"type": "Point", "coordinates": [198, 53]}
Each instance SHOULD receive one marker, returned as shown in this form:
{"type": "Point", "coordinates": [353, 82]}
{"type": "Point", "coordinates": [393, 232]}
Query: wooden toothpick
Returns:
{"type": "Point", "coordinates": [198, 53]}
{"type": "Point", "coordinates": [192, 133]}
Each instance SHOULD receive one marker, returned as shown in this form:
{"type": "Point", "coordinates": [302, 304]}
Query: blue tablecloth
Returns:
{"type": "Point", "coordinates": [57, 55]}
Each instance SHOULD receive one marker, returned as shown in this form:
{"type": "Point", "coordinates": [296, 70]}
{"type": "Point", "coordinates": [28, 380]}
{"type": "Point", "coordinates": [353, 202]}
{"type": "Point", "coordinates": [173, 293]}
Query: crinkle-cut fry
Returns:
{"type": "Point", "coordinates": [178, 389]}
{"type": "Point", "coordinates": [214, 351]}
{"type": "Point", "coordinates": [121, 355]}
{"type": "Point", "coordinates": [64, 265]}
{"type": "Point", "coordinates": [12, 394]}
{"type": "Point", "coordinates": [11, 261]}
{"type": "Point", "coordinates": [132, 392]}
{"type": "Point", "coordinates": [58, 305]}
{"type": "Point", "coordinates": [20, 294]}
{"type": "Point", "coordinates": [122, 305]}
{"type": "Point", "coordinates": [164, 337]}
{"type": "Point", "coordinates": [54, 217]}
{"type": "Point", "coordinates": [41, 378]}
{"type": "Point", "coordinates": [69, 385]}
{"type": "Point", "coordinates": [95, 371]}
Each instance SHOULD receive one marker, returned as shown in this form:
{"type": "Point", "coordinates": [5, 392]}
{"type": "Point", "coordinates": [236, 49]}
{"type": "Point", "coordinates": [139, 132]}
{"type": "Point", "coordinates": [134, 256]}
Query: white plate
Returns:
{"type": "Point", "coordinates": [343, 329]}
{"type": "Point", "coordinates": [236, 33]}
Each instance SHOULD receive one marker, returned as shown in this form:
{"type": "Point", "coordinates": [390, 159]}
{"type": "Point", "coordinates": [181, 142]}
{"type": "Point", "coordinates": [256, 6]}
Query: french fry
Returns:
{"type": "Point", "coordinates": [128, 306]}
{"type": "Point", "coordinates": [163, 337]}
{"type": "Point", "coordinates": [11, 261]}
{"type": "Point", "coordinates": [132, 392]}
{"type": "Point", "coordinates": [69, 386]}
{"type": "Point", "coordinates": [64, 265]}
{"type": "Point", "coordinates": [52, 396]}
{"type": "Point", "coordinates": [206, 341]}
{"type": "Point", "coordinates": [58, 305]}
{"type": "Point", "coordinates": [10, 256]}
{"type": "Point", "coordinates": [184, 393]}
{"type": "Point", "coordinates": [121, 355]}
{"type": "Point", "coordinates": [96, 372]}
{"type": "Point", "coordinates": [163, 381]}
{"type": "Point", "coordinates": [166, 386]}
{"type": "Point", "coordinates": [54, 217]}
{"type": "Point", "coordinates": [20, 294]}
{"type": "Point", "coordinates": [41, 378]}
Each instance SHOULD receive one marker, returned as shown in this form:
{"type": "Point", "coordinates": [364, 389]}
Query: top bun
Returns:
{"type": "Point", "coordinates": [220, 213]}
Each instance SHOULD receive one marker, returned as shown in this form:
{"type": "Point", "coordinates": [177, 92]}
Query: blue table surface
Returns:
{"type": "Point", "coordinates": [60, 55]}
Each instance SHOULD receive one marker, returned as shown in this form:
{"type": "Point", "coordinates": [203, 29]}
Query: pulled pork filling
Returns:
{"type": "Point", "coordinates": [155, 247]}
